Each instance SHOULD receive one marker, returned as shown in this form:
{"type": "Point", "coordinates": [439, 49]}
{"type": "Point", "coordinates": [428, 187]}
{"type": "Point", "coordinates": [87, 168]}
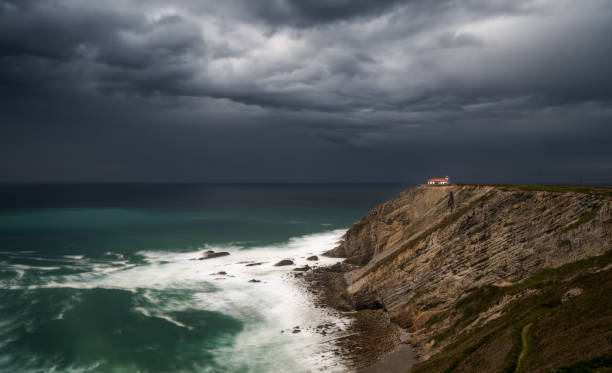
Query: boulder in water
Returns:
{"type": "Point", "coordinates": [284, 262]}
{"type": "Point", "coordinates": [211, 254]}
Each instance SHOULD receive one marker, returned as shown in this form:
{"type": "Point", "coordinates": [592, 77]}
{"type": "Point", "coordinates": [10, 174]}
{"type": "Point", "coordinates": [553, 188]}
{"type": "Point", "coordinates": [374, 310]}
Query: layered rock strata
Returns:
{"type": "Point", "coordinates": [421, 252]}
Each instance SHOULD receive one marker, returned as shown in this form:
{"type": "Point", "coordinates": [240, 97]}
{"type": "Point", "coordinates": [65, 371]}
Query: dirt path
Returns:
{"type": "Point", "coordinates": [524, 346]}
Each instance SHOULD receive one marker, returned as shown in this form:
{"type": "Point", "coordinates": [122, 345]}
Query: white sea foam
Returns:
{"type": "Point", "coordinates": [24, 267]}
{"type": "Point", "coordinates": [269, 309]}
{"type": "Point", "coordinates": [145, 312]}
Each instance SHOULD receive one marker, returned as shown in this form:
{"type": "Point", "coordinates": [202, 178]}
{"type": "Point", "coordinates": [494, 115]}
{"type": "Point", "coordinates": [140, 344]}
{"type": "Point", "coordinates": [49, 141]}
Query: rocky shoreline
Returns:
{"type": "Point", "coordinates": [371, 338]}
{"type": "Point", "coordinates": [369, 342]}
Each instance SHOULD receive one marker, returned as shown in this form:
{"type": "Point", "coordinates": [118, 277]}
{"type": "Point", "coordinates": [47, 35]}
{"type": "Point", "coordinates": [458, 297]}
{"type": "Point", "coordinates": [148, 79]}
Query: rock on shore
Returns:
{"type": "Point", "coordinates": [284, 262]}
{"type": "Point", "coordinates": [211, 254]}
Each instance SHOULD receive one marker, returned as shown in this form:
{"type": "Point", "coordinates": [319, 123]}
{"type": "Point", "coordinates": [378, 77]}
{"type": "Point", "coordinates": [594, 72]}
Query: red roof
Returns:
{"type": "Point", "coordinates": [445, 179]}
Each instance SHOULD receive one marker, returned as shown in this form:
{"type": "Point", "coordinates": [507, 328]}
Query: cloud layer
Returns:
{"type": "Point", "coordinates": [306, 90]}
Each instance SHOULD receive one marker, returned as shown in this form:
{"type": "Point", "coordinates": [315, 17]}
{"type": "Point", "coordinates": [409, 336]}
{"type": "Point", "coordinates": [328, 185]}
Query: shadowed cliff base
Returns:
{"type": "Point", "coordinates": [371, 336]}
{"type": "Point", "coordinates": [494, 282]}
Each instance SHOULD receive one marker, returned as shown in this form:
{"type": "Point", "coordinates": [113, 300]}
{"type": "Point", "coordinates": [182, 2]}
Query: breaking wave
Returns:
{"type": "Point", "coordinates": [172, 287]}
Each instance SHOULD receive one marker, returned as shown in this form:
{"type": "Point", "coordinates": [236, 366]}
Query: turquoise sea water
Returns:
{"type": "Point", "coordinates": [101, 277]}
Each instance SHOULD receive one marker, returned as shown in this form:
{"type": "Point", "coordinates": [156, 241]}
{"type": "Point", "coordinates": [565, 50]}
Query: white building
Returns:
{"type": "Point", "coordinates": [444, 181]}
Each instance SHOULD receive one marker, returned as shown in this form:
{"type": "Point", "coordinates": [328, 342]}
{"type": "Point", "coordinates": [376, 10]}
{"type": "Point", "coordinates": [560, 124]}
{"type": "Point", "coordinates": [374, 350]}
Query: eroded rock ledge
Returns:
{"type": "Point", "coordinates": [417, 255]}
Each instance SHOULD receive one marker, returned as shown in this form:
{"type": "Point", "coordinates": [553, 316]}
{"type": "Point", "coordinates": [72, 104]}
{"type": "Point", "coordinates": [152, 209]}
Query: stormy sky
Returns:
{"type": "Point", "coordinates": [305, 91]}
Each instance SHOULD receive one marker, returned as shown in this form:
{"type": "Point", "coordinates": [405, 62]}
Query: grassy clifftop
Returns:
{"type": "Point", "coordinates": [604, 190]}
{"type": "Point", "coordinates": [559, 320]}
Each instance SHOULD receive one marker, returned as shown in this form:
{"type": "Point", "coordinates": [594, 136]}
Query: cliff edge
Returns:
{"type": "Point", "coordinates": [422, 255]}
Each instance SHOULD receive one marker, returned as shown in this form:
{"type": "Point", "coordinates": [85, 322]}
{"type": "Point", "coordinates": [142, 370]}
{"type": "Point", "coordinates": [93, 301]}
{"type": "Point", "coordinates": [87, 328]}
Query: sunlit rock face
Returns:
{"type": "Point", "coordinates": [419, 254]}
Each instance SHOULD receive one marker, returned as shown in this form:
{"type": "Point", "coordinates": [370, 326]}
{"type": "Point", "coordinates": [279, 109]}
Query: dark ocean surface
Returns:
{"type": "Point", "coordinates": [100, 277]}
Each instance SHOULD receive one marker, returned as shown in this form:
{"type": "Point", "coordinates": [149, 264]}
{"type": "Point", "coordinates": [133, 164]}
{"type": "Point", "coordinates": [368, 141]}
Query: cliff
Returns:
{"type": "Point", "coordinates": [424, 254]}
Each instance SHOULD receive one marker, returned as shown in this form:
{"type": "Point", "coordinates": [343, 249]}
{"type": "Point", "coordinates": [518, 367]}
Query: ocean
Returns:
{"type": "Point", "coordinates": [105, 277]}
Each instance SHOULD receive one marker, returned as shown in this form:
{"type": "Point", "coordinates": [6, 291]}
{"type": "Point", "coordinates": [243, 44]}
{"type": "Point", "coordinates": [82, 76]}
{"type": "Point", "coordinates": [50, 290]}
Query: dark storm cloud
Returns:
{"type": "Point", "coordinates": [87, 45]}
{"type": "Point", "coordinates": [391, 56]}
{"type": "Point", "coordinates": [374, 82]}
{"type": "Point", "coordinates": [303, 13]}
{"type": "Point", "coordinates": [309, 13]}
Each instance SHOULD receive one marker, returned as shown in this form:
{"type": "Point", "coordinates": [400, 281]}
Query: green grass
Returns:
{"type": "Point", "coordinates": [592, 365]}
{"type": "Point", "coordinates": [586, 217]}
{"type": "Point", "coordinates": [546, 275]}
{"type": "Point", "coordinates": [437, 318]}
{"type": "Point", "coordinates": [603, 190]}
{"type": "Point", "coordinates": [572, 336]}
{"type": "Point", "coordinates": [481, 299]}
{"type": "Point", "coordinates": [465, 353]}
{"type": "Point", "coordinates": [552, 188]}
{"type": "Point", "coordinates": [526, 347]}
{"type": "Point", "coordinates": [510, 365]}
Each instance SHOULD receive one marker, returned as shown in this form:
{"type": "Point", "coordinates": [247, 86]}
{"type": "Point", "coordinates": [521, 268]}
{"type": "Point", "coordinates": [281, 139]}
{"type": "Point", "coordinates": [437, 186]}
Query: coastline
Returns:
{"type": "Point", "coordinates": [373, 343]}
{"type": "Point", "coordinates": [466, 279]}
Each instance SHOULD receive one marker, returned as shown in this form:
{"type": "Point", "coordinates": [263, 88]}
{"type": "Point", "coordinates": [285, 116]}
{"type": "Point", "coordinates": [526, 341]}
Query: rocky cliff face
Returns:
{"type": "Point", "coordinates": [422, 252]}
